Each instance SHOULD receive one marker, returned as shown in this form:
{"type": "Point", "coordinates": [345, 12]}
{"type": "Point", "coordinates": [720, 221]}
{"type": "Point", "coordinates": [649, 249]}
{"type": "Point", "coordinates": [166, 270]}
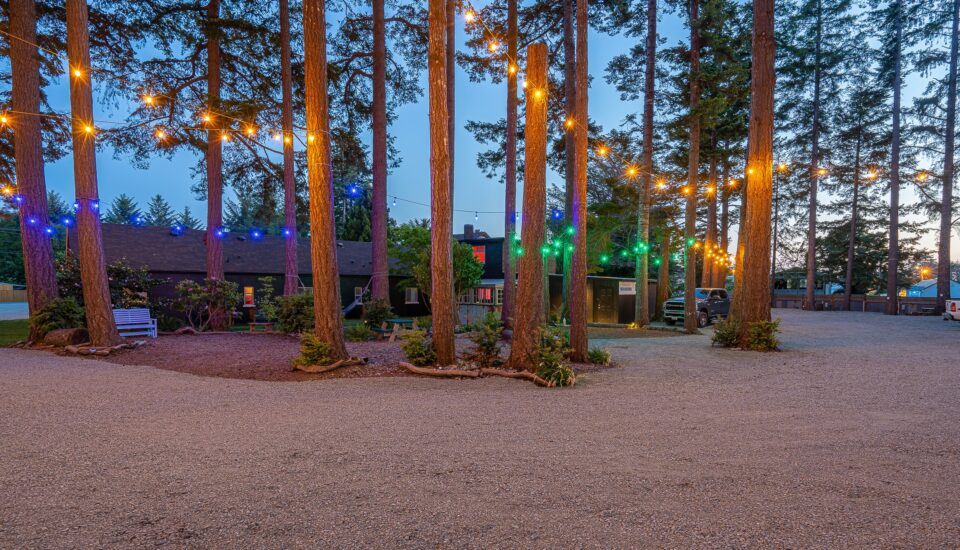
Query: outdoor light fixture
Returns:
{"type": "Point", "coordinates": [255, 234]}
{"type": "Point", "coordinates": [4, 119]}
{"type": "Point", "coordinates": [604, 258]}
{"type": "Point", "coordinates": [76, 206]}
{"type": "Point", "coordinates": [602, 151]}
{"type": "Point", "coordinates": [18, 199]}
{"type": "Point", "coordinates": [137, 220]}
{"type": "Point", "coordinates": [632, 172]}
{"type": "Point", "coordinates": [353, 190]}
{"type": "Point", "coordinates": [469, 16]}
{"type": "Point", "coordinates": [176, 230]}
{"type": "Point", "coordinates": [568, 123]}
{"type": "Point", "coordinates": [394, 201]}
{"type": "Point", "coordinates": [66, 221]}
{"type": "Point", "coordinates": [219, 233]}
{"type": "Point", "coordinates": [77, 73]}
{"type": "Point", "coordinates": [287, 232]}
{"type": "Point", "coordinates": [494, 46]}
{"type": "Point", "coordinates": [49, 230]}
{"type": "Point", "coordinates": [95, 205]}
{"type": "Point", "coordinates": [31, 220]}
{"type": "Point", "coordinates": [556, 214]}
{"type": "Point", "coordinates": [148, 99]}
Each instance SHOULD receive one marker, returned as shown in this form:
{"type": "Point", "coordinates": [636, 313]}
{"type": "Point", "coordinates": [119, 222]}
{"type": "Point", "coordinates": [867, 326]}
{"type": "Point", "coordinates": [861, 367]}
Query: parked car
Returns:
{"type": "Point", "coordinates": [712, 304]}
{"type": "Point", "coordinates": [952, 311]}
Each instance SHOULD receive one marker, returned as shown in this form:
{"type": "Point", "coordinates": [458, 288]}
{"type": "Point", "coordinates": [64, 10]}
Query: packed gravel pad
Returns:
{"type": "Point", "coordinates": [848, 438]}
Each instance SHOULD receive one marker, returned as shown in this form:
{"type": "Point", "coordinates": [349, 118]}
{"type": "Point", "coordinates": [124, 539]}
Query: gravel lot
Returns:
{"type": "Point", "coordinates": [850, 438]}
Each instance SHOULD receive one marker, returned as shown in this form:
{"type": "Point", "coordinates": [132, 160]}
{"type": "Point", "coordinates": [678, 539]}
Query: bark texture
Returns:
{"type": "Point", "coordinates": [510, 197]}
{"type": "Point", "coordinates": [663, 276]}
{"type": "Point", "coordinates": [291, 277]}
{"type": "Point", "coordinates": [380, 283]}
{"type": "Point", "coordinates": [569, 141]}
{"type": "Point", "coordinates": [642, 303]}
{"type": "Point", "coordinates": [693, 172]}
{"type": "Point", "coordinates": [93, 271]}
{"type": "Point", "coordinates": [946, 205]}
{"type": "Point", "coordinates": [809, 301]}
{"type": "Point", "coordinates": [578, 271]}
{"type": "Point", "coordinates": [854, 212]}
{"type": "Point", "coordinates": [442, 300]}
{"type": "Point", "coordinates": [38, 266]}
{"type": "Point", "coordinates": [893, 255]}
{"type": "Point", "coordinates": [451, 53]}
{"type": "Point", "coordinates": [759, 187]}
{"type": "Point", "coordinates": [214, 154]}
{"type": "Point", "coordinates": [323, 239]}
{"type": "Point", "coordinates": [710, 242]}
{"type": "Point", "coordinates": [530, 307]}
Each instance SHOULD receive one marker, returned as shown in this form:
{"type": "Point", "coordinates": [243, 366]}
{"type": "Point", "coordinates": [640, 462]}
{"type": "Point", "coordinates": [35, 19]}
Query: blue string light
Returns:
{"type": "Point", "coordinates": [557, 215]}
{"type": "Point", "coordinates": [255, 234]}
{"type": "Point", "coordinates": [287, 232]}
{"type": "Point", "coordinates": [176, 230]}
{"type": "Point", "coordinates": [353, 190]}
{"type": "Point", "coordinates": [18, 199]}
{"type": "Point", "coordinates": [219, 233]}
{"type": "Point", "coordinates": [66, 221]}
{"type": "Point", "coordinates": [49, 230]}
{"type": "Point", "coordinates": [32, 221]}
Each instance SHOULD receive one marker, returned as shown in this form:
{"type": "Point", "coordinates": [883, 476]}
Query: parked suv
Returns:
{"type": "Point", "coordinates": [712, 304]}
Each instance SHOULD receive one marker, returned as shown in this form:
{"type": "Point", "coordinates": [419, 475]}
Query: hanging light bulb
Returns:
{"type": "Point", "coordinates": [161, 135]}
{"type": "Point", "coordinates": [148, 99]}
{"type": "Point", "coordinates": [276, 137]}
{"type": "Point", "coordinates": [225, 136]}
{"type": "Point", "coordinates": [568, 123]}
{"type": "Point", "coordinates": [631, 172]}
{"type": "Point", "coordinates": [469, 16]}
{"type": "Point", "coordinates": [4, 119]}
{"type": "Point", "coordinates": [602, 150]}
{"type": "Point", "coordinates": [394, 201]}
{"type": "Point", "coordinates": [493, 46]}
{"type": "Point", "coordinates": [476, 216]}
{"type": "Point", "coordinates": [251, 131]}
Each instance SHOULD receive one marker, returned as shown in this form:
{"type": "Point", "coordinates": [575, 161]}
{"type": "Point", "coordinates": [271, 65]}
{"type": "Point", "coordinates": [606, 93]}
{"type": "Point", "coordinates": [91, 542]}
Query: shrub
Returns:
{"type": "Point", "coordinates": [267, 304]}
{"type": "Point", "coordinates": [128, 285]}
{"type": "Point", "coordinates": [58, 313]}
{"type": "Point", "coordinates": [486, 340]}
{"type": "Point", "coordinates": [598, 356]}
{"type": "Point", "coordinates": [551, 357]}
{"type": "Point", "coordinates": [313, 351]}
{"type": "Point", "coordinates": [418, 349]}
{"type": "Point", "coordinates": [425, 322]}
{"type": "Point", "coordinates": [295, 313]}
{"type": "Point", "coordinates": [726, 333]}
{"type": "Point", "coordinates": [375, 312]}
{"type": "Point", "coordinates": [197, 301]}
{"type": "Point", "coordinates": [763, 336]}
{"type": "Point", "coordinates": [358, 333]}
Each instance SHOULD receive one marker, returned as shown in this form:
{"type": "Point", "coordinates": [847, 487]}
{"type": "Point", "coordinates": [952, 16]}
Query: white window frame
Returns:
{"type": "Point", "coordinates": [411, 291]}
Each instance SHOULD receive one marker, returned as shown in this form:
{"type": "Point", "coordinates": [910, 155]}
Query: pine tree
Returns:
{"type": "Point", "coordinates": [159, 213]}
{"type": "Point", "coordinates": [186, 219]}
{"type": "Point", "coordinates": [123, 210]}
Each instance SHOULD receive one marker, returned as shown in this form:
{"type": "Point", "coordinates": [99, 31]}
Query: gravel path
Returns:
{"type": "Point", "coordinates": [850, 438]}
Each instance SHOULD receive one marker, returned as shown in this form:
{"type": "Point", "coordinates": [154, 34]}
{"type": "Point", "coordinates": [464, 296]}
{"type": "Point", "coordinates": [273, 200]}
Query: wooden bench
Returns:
{"type": "Point", "coordinates": [267, 327]}
{"type": "Point", "coordinates": [135, 322]}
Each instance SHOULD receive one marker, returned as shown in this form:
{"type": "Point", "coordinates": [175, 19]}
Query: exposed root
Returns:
{"type": "Point", "coordinates": [317, 369]}
{"type": "Point", "coordinates": [526, 375]}
{"type": "Point", "coordinates": [448, 373]}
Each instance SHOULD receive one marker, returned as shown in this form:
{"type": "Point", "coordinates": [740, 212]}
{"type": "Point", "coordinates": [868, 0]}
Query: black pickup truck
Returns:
{"type": "Point", "coordinates": [712, 304]}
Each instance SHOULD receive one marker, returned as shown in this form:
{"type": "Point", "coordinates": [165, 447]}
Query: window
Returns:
{"type": "Point", "coordinates": [484, 295]}
{"type": "Point", "coordinates": [248, 296]}
{"type": "Point", "coordinates": [410, 296]}
{"type": "Point", "coordinates": [358, 293]}
{"type": "Point", "coordinates": [480, 254]}
{"type": "Point", "coordinates": [499, 295]}
{"type": "Point", "coordinates": [722, 294]}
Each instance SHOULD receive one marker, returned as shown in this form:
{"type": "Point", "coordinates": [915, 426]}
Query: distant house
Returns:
{"type": "Point", "coordinates": [174, 256]}
{"type": "Point", "coordinates": [928, 289]}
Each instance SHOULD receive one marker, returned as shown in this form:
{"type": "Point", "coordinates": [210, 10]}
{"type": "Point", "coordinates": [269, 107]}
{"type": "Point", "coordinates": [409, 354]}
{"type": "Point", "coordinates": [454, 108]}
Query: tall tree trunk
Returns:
{"type": "Point", "coordinates": [710, 243]}
{"type": "Point", "coordinates": [759, 186]}
{"type": "Point", "coordinates": [451, 53]}
{"type": "Point", "coordinates": [569, 141]}
{"type": "Point", "coordinates": [578, 271]}
{"type": "Point", "coordinates": [510, 199]}
{"type": "Point", "coordinates": [530, 308]}
{"type": "Point", "coordinates": [93, 270]}
{"type": "Point", "coordinates": [38, 267]}
{"type": "Point", "coordinates": [442, 299]}
{"type": "Point", "coordinates": [291, 277]}
{"type": "Point", "coordinates": [946, 205]}
{"type": "Point", "coordinates": [810, 296]}
{"type": "Point", "coordinates": [642, 303]}
{"type": "Point", "coordinates": [380, 284]}
{"type": "Point", "coordinates": [663, 276]}
{"type": "Point", "coordinates": [693, 172]}
{"type": "Point", "coordinates": [776, 235]}
{"type": "Point", "coordinates": [721, 269]}
{"type": "Point", "coordinates": [323, 236]}
{"type": "Point", "coordinates": [852, 243]}
{"type": "Point", "coordinates": [214, 161]}
{"type": "Point", "coordinates": [893, 256]}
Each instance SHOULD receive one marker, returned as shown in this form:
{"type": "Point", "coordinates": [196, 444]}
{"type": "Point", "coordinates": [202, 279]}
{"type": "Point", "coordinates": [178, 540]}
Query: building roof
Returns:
{"type": "Point", "coordinates": [928, 289]}
{"type": "Point", "coordinates": [160, 251]}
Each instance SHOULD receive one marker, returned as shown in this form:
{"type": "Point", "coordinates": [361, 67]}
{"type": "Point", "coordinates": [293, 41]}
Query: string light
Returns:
{"type": "Point", "coordinates": [476, 216]}
{"type": "Point", "coordinates": [733, 183]}
{"type": "Point", "coordinates": [161, 135]}
{"type": "Point", "coordinates": [922, 177]}
{"type": "Point", "coordinates": [538, 94]}
{"type": "Point", "coordinates": [469, 16]}
{"type": "Point", "coordinates": [782, 167]}
{"type": "Point", "coordinates": [602, 150]}
{"type": "Point", "coordinates": [207, 118]}
{"type": "Point", "coordinates": [631, 172]}
{"type": "Point", "coordinates": [711, 189]}
{"type": "Point", "coordinates": [686, 190]}
{"type": "Point", "coordinates": [276, 137]}
{"type": "Point", "coordinates": [148, 99]}
{"type": "Point", "coordinates": [661, 185]}
{"type": "Point", "coordinates": [568, 123]}
{"type": "Point", "coordinates": [251, 131]}
{"type": "Point", "coordinates": [512, 69]}
{"type": "Point", "coordinates": [872, 175]}
{"type": "Point", "coordinates": [288, 139]}
{"type": "Point", "coordinates": [310, 138]}
{"type": "Point", "coordinates": [77, 72]}
{"type": "Point", "coordinates": [494, 46]}
{"type": "Point", "coordinates": [88, 129]}
{"type": "Point", "coordinates": [822, 172]}
{"type": "Point", "coordinates": [225, 136]}
{"type": "Point", "coordinates": [4, 119]}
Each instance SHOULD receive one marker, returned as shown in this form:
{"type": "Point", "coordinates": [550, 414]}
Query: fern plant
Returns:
{"type": "Point", "coordinates": [486, 341]}
{"type": "Point", "coordinates": [313, 351]}
{"type": "Point", "coordinates": [551, 359]}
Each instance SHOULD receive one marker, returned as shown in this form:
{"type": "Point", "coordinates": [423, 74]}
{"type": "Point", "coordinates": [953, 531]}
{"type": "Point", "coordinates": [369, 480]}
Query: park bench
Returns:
{"type": "Point", "coordinates": [265, 326]}
{"type": "Point", "coordinates": [135, 322]}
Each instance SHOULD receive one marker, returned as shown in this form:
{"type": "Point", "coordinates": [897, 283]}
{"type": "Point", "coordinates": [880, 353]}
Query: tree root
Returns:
{"type": "Point", "coordinates": [317, 369]}
{"type": "Point", "coordinates": [449, 373]}
{"type": "Point", "coordinates": [526, 375]}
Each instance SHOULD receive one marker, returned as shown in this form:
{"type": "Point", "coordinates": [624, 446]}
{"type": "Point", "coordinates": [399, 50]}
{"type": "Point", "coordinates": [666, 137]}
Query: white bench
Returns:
{"type": "Point", "coordinates": [135, 322]}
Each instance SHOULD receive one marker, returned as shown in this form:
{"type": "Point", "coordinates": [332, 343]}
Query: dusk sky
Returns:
{"type": "Point", "coordinates": [474, 192]}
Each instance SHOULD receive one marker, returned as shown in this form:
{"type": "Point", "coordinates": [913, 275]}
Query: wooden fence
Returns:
{"type": "Point", "coordinates": [858, 302]}
{"type": "Point", "coordinates": [7, 296]}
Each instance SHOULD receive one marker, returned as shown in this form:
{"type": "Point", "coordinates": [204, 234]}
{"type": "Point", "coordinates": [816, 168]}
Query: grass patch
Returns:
{"type": "Point", "coordinates": [14, 331]}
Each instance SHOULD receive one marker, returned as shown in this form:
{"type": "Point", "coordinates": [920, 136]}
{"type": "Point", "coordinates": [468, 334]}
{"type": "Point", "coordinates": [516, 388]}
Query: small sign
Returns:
{"type": "Point", "coordinates": [628, 288]}
{"type": "Point", "coordinates": [248, 296]}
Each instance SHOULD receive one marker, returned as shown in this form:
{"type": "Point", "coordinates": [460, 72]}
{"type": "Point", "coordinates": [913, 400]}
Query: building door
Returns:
{"type": "Point", "coordinates": [605, 296]}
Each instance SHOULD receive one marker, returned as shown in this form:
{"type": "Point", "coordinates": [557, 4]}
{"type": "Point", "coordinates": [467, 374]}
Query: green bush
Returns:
{"type": "Point", "coordinates": [726, 333]}
{"type": "Point", "coordinates": [58, 313]}
{"type": "Point", "coordinates": [295, 313]}
{"type": "Point", "coordinates": [128, 285]}
{"type": "Point", "coordinates": [375, 312]}
{"type": "Point", "coordinates": [425, 322]}
{"type": "Point", "coordinates": [418, 349]}
{"type": "Point", "coordinates": [486, 340]}
{"type": "Point", "coordinates": [358, 333]}
{"type": "Point", "coordinates": [598, 356]}
{"type": "Point", "coordinates": [313, 351]}
{"type": "Point", "coordinates": [267, 304]}
{"type": "Point", "coordinates": [552, 357]}
{"type": "Point", "coordinates": [197, 300]}
{"type": "Point", "coordinates": [763, 336]}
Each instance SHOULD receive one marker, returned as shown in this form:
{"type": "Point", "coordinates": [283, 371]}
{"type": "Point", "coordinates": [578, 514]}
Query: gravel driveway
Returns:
{"type": "Point", "coordinates": [850, 438]}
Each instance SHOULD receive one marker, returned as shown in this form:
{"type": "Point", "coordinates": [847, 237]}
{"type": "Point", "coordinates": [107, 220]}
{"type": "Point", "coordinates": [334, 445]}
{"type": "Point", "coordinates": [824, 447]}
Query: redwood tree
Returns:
{"type": "Point", "coordinates": [323, 239]}
{"type": "Point", "coordinates": [510, 198]}
{"type": "Point", "coordinates": [214, 161]}
{"type": "Point", "coordinates": [893, 256]}
{"type": "Point", "coordinates": [755, 223]}
{"type": "Point", "coordinates": [93, 271]}
{"type": "Point", "coordinates": [578, 271]}
{"type": "Point", "coordinates": [451, 53]}
{"type": "Point", "coordinates": [380, 283]}
{"type": "Point", "coordinates": [39, 271]}
{"type": "Point", "coordinates": [530, 308]}
{"type": "Point", "coordinates": [693, 172]}
{"type": "Point", "coordinates": [291, 279]}
{"type": "Point", "coordinates": [442, 300]}
{"type": "Point", "coordinates": [946, 204]}
{"type": "Point", "coordinates": [642, 303]}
